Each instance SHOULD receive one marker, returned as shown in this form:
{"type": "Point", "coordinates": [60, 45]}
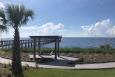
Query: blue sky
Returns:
{"type": "Point", "coordinates": [70, 18]}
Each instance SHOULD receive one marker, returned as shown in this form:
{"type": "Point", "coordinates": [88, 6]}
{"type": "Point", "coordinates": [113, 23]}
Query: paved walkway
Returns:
{"type": "Point", "coordinates": [95, 66]}
{"type": "Point", "coordinates": [77, 66]}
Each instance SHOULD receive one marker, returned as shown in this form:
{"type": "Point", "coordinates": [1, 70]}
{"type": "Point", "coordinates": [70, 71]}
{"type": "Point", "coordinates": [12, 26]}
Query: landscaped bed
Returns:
{"type": "Point", "coordinates": [86, 55]}
{"type": "Point", "coordinates": [93, 57]}
{"type": "Point", "coordinates": [5, 70]}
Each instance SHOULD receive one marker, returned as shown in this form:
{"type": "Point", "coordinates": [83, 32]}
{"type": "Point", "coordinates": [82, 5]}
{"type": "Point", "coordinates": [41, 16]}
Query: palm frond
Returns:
{"type": "Point", "coordinates": [28, 14]}
{"type": "Point", "coordinates": [2, 16]}
{"type": "Point", "coordinates": [3, 21]}
{"type": "Point", "coordinates": [18, 14]}
{"type": "Point", "coordinates": [3, 28]}
{"type": "Point", "coordinates": [13, 12]}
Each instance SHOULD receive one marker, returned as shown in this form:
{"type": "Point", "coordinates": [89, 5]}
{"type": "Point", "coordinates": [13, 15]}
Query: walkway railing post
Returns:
{"type": "Point", "coordinates": [1, 43]}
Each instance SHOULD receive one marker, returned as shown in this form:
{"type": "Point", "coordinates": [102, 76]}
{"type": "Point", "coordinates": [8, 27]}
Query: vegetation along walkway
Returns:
{"type": "Point", "coordinates": [77, 66]}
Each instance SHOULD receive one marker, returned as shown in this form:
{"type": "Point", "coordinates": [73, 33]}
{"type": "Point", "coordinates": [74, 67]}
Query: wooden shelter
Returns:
{"type": "Point", "coordinates": [41, 40]}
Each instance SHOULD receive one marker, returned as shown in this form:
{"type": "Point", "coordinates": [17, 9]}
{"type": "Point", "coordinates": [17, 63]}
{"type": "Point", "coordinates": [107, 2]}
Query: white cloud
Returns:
{"type": "Point", "coordinates": [111, 31]}
{"type": "Point", "coordinates": [2, 6]}
{"type": "Point", "coordinates": [104, 28]}
{"type": "Point", "coordinates": [45, 29]}
{"type": "Point", "coordinates": [50, 29]}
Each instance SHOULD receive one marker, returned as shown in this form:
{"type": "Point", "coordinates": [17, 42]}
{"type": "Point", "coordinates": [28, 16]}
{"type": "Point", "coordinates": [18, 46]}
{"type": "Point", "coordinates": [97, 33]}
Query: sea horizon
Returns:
{"type": "Point", "coordinates": [80, 42]}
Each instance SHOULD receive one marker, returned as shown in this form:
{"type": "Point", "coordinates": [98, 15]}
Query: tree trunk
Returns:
{"type": "Point", "coordinates": [16, 58]}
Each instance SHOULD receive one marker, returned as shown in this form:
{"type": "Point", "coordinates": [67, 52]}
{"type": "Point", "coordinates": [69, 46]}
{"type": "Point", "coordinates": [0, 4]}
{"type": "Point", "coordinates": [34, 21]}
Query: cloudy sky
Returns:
{"type": "Point", "coordinates": [69, 18]}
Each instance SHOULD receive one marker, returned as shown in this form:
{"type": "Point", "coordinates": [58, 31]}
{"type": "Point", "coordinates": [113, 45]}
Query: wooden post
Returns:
{"type": "Point", "coordinates": [58, 47]}
{"type": "Point", "coordinates": [22, 45]}
{"type": "Point", "coordinates": [34, 52]}
{"type": "Point", "coordinates": [4, 44]}
{"type": "Point", "coordinates": [28, 43]}
{"type": "Point", "coordinates": [25, 44]}
{"type": "Point", "coordinates": [10, 44]}
{"type": "Point", "coordinates": [1, 43]}
{"type": "Point", "coordinates": [31, 44]}
{"type": "Point", "coordinates": [55, 51]}
{"type": "Point", "coordinates": [39, 46]}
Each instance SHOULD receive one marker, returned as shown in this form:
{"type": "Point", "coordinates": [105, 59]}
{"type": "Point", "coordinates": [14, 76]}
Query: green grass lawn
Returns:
{"type": "Point", "coordinates": [69, 73]}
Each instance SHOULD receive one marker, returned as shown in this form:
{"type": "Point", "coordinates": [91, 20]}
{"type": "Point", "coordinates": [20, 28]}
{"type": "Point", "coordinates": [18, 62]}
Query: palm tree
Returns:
{"type": "Point", "coordinates": [17, 15]}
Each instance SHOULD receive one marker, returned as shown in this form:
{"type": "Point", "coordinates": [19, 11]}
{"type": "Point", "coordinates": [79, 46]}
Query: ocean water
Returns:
{"type": "Point", "coordinates": [82, 42]}
{"type": "Point", "coordinates": [86, 42]}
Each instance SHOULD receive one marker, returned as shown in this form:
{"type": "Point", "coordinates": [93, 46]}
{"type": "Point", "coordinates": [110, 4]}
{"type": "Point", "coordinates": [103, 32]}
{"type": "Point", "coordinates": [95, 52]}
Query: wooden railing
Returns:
{"type": "Point", "coordinates": [23, 43]}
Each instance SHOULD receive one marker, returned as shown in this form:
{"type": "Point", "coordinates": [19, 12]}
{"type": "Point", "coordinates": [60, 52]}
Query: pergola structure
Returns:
{"type": "Point", "coordinates": [38, 41]}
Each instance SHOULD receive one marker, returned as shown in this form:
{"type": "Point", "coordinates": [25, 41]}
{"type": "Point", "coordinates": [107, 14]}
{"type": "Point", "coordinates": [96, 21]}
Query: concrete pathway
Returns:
{"type": "Point", "coordinates": [95, 66]}
{"type": "Point", "coordinates": [77, 66]}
